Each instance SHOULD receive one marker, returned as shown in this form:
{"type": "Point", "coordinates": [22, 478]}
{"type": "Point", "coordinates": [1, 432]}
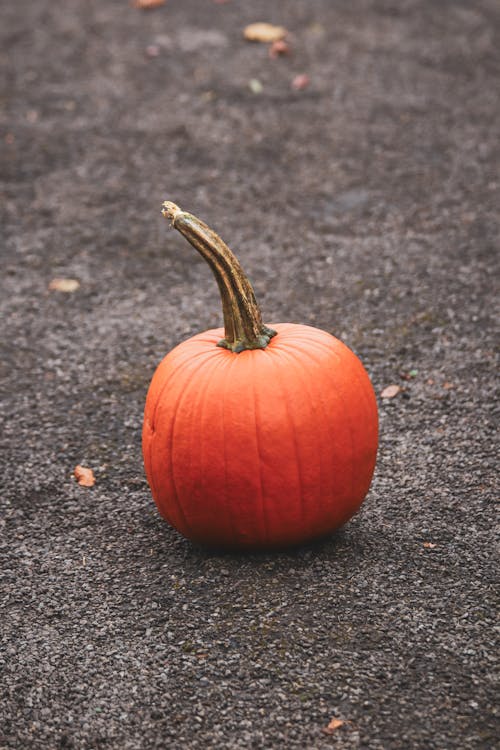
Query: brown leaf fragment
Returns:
{"type": "Point", "coordinates": [390, 391]}
{"type": "Point", "coordinates": [279, 47]}
{"type": "Point", "coordinates": [333, 726]}
{"type": "Point", "coordinates": [447, 385]}
{"type": "Point", "coordinates": [148, 4]}
{"type": "Point", "coordinates": [84, 476]}
{"type": "Point", "coordinates": [429, 545]}
{"type": "Point", "coordinates": [64, 285]}
{"type": "Point", "coordinates": [264, 32]}
{"type": "Point", "coordinates": [301, 82]}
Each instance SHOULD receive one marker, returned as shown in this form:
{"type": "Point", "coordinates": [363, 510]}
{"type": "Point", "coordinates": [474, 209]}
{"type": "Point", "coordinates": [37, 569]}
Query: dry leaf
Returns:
{"type": "Point", "coordinates": [84, 476]}
{"type": "Point", "coordinates": [390, 391]}
{"type": "Point", "coordinates": [448, 385]}
{"type": "Point", "coordinates": [64, 285]}
{"type": "Point", "coordinates": [429, 545]}
{"type": "Point", "coordinates": [301, 82]}
{"type": "Point", "coordinates": [333, 726]}
{"type": "Point", "coordinates": [264, 32]}
{"type": "Point", "coordinates": [277, 48]}
{"type": "Point", "coordinates": [148, 4]}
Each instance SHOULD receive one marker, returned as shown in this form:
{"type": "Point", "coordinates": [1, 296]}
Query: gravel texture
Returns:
{"type": "Point", "coordinates": [365, 204]}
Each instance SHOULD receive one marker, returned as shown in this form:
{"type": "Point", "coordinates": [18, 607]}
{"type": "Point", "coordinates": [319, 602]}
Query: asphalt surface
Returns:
{"type": "Point", "coordinates": [365, 204]}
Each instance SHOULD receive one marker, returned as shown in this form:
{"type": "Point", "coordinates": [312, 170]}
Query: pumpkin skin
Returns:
{"type": "Point", "coordinates": [265, 448]}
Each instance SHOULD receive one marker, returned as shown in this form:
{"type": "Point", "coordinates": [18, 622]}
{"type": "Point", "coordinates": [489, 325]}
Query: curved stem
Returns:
{"type": "Point", "coordinates": [243, 326]}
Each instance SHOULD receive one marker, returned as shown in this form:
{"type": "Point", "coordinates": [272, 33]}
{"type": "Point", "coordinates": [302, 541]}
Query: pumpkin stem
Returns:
{"type": "Point", "coordinates": [243, 324]}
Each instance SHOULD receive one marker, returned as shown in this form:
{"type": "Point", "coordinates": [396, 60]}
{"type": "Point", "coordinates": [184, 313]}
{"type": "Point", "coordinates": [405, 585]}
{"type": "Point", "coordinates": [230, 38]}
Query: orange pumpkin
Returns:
{"type": "Point", "coordinates": [256, 437]}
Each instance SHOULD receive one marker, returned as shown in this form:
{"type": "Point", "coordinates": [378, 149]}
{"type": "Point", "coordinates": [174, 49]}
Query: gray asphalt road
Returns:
{"type": "Point", "coordinates": [365, 204]}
